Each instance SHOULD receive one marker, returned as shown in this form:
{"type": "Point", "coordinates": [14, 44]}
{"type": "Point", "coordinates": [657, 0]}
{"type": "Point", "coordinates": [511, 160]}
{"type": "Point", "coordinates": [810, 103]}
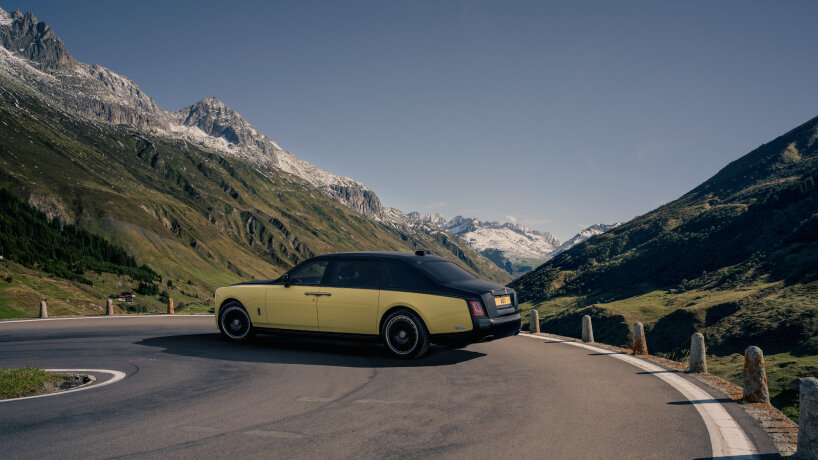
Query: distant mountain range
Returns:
{"type": "Point", "coordinates": [198, 194]}
{"type": "Point", "coordinates": [513, 247]}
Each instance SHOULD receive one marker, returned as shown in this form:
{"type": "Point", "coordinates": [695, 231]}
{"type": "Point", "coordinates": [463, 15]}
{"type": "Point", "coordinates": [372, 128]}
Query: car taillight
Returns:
{"type": "Point", "coordinates": [476, 308]}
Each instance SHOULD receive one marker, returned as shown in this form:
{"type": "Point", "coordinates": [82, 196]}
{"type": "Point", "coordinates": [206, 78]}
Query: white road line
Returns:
{"type": "Point", "coordinates": [116, 377]}
{"type": "Point", "coordinates": [727, 439]}
{"type": "Point", "coordinates": [103, 317]}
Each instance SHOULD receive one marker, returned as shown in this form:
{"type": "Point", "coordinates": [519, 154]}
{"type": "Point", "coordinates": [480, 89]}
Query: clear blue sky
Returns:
{"type": "Point", "coordinates": [560, 115]}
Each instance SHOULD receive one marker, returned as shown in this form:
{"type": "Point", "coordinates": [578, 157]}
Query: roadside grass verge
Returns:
{"type": "Point", "coordinates": [29, 381]}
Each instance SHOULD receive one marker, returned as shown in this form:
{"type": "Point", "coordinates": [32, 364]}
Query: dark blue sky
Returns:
{"type": "Point", "coordinates": [559, 115]}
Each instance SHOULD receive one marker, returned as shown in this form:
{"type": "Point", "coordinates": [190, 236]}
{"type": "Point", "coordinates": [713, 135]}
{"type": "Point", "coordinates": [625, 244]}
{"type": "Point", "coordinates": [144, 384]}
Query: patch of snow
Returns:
{"type": "Point", "coordinates": [5, 18]}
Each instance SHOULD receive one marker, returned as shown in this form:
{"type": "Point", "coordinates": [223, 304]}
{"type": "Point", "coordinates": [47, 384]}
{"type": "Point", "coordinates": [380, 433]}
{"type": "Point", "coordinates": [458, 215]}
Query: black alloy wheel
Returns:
{"type": "Point", "coordinates": [405, 335]}
{"type": "Point", "coordinates": [234, 323]}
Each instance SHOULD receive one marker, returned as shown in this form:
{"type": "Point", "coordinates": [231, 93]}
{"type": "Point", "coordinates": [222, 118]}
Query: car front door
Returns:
{"type": "Point", "coordinates": [348, 301]}
{"type": "Point", "coordinates": [293, 306]}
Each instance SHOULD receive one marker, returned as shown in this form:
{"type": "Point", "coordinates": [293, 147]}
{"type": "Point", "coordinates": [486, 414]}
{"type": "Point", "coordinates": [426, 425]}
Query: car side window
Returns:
{"type": "Point", "coordinates": [354, 273]}
{"type": "Point", "coordinates": [398, 275]}
{"type": "Point", "coordinates": [309, 274]}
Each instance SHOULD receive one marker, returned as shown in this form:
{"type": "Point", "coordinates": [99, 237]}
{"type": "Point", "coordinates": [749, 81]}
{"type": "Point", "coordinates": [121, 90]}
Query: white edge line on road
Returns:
{"type": "Point", "coordinates": [116, 376]}
{"type": "Point", "coordinates": [103, 317]}
{"type": "Point", "coordinates": [727, 439]}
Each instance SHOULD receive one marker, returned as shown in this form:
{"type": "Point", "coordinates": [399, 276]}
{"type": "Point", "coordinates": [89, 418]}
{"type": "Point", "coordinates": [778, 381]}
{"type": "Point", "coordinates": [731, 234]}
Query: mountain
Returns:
{"type": "Point", "coordinates": [197, 194]}
{"type": "Point", "coordinates": [515, 248]}
{"type": "Point", "coordinates": [512, 247]}
{"type": "Point", "coordinates": [736, 258]}
{"type": "Point", "coordinates": [580, 237]}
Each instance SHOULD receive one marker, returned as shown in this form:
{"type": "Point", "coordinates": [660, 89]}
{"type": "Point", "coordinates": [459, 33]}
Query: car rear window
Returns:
{"type": "Point", "coordinates": [398, 275]}
{"type": "Point", "coordinates": [445, 271]}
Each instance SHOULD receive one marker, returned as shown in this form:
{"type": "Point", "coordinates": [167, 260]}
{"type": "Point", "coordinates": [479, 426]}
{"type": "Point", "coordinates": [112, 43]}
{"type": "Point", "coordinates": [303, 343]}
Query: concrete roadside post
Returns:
{"type": "Point", "coordinates": [109, 307]}
{"type": "Point", "coordinates": [808, 419]}
{"type": "Point", "coordinates": [698, 360]}
{"type": "Point", "coordinates": [534, 322]}
{"type": "Point", "coordinates": [587, 329]}
{"type": "Point", "coordinates": [755, 377]}
{"type": "Point", "coordinates": [640, 346]}
{"type": "Point", "coordinates": [43, 309]}
{"type": "Point", "coordinates": [170, 306]}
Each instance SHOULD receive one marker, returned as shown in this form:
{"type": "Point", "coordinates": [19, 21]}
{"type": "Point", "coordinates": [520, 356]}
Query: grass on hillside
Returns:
{"type": "Point", "coordinates": [21, 290]}
{"type": "Point", "coordinates": [17, 383]}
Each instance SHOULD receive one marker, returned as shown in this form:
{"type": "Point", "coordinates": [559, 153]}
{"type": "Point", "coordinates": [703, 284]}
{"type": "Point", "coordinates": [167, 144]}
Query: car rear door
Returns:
{"type": "Point", "coordinates": [294, 306]}
{"type": "Point", "coordinates": [348, 300]}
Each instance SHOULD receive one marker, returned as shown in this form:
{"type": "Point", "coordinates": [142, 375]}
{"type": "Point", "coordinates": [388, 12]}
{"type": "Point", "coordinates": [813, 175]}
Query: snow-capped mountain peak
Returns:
{"type": "Point", "coordinates": [5, 18]}
{"type": "Point", "coordinates": [580, 237]}
{"type": "Point", "coordinates": [513, 247]}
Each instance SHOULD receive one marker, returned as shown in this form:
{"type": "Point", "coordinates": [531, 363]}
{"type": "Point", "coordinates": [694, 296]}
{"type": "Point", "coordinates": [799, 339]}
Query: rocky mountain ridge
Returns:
{"type": "Point", "coordinates": [36, 55]}
{"type": "Point", "coordinates": [585, 234]}
{"type": "Point", "coordinates": [513, 247]}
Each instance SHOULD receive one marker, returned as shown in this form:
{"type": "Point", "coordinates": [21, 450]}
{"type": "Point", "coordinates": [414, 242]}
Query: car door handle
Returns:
{"type": "Point", "coordinates": [317, 293]}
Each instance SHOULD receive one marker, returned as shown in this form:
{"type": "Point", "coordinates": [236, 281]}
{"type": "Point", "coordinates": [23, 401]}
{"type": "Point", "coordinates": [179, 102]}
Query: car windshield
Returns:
{"type": "Point", "coordinates": [446, 271]}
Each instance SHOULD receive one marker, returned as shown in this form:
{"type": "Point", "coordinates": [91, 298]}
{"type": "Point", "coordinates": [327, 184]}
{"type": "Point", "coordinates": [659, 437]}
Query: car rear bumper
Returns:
{"type": "Point", "coordinates": [497, 328]}
{"type": "Point", "coordinates": [484, 329]}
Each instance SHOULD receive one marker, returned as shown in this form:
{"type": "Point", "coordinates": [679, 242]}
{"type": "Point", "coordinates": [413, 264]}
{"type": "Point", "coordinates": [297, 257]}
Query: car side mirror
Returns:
{"type": "Point", "coordinates": [286, 279]}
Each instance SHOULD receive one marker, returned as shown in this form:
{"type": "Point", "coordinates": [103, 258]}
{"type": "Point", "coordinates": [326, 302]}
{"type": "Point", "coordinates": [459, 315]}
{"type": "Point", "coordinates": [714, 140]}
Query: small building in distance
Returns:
{"type": "Point", "coordinates": [125, 296]}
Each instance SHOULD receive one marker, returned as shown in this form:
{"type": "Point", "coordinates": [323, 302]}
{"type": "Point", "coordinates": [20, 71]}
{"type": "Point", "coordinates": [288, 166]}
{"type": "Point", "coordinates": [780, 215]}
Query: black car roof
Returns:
{"type": "Point", "coordinates": [408, 256]}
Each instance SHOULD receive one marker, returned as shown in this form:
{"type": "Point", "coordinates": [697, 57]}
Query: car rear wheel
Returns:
{"type": "Point", "coordinates": [405, 335]}
{"type": "Point", "coordinates": [234, 323]}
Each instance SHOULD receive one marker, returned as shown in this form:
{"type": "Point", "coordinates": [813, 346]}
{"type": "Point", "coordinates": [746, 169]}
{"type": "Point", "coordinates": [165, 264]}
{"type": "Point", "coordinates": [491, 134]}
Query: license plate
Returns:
{"type": "Point", "coordinates": [503, 300]}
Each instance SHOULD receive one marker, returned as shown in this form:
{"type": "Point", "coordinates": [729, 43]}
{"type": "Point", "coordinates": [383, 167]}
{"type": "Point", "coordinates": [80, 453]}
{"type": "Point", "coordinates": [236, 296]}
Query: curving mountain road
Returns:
{"type": "Point", "coordinates": [187, 393]}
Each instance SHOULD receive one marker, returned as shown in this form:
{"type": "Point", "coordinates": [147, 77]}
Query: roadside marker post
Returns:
{"type": "Point", "coordinates": [109, 307]}
{"type": "Point", "coordinates": [640, 346]}
{"type": "Point", "coordinates": [43, 309]}
{"type": "Point", "coordinates": [808, 419]}
{"type": "Point", "coordinates": [587, 329]}
{"type": "Point", "coordinates": [755, 377]}
{"type": "Point", "coordinates": [170, 306]}
{"type": "Point", "coordinates": [534, 322]}
{"type": "Point", "coordinates": [698, 359]}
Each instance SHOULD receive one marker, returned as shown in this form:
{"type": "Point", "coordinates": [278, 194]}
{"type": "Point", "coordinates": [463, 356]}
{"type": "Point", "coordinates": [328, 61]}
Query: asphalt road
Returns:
{"type": "Point", "coordinates": [187, 393]}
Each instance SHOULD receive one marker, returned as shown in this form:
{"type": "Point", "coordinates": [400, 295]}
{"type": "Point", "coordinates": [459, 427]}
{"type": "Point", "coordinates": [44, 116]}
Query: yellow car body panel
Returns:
{"type": "Point", "coordinates": [252, 297]}
{"type": "Point", "coordinates": [345, 310]}
{"type": "Point", "coordinates": [348, 310]}
{"type": "Point", "coordinates": [292, 307]}
{"type": "Point", "coordinates": [440, 314]}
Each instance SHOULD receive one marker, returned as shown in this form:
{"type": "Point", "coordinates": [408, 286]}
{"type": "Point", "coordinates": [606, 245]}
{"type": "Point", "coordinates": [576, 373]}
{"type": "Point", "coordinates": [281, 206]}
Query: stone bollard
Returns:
{"type": "Point", "coordinates": [43, 309]}
{"type": "Point", "coordinates": [755, 377]}
{"type": "Point", "coordinates": [640, 346]}
{"type": "Point", "coordinates": [587, 329]}
{"type": "Point", "coordinates": [170, 306]}
{"type": "Point", "coordinates": [109, 307]}
{"type": "Point", "coordinates": [808, 419]}
{"type": "Point", "coordinates": [534, 322]}
{"type": "Point", "coordinates": [698, 360]}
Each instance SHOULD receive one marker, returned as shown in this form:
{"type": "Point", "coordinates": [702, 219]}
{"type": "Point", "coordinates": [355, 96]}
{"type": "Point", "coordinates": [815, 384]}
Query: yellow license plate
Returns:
{"type": "Point", "coordinates": [504, 300]}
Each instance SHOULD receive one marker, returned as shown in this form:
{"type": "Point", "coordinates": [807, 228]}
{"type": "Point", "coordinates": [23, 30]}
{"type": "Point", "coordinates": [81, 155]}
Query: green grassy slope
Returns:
{"type": "Point", "coordinates": [188, 213]}
{"type": "Point", "coordinates": [736, 259]}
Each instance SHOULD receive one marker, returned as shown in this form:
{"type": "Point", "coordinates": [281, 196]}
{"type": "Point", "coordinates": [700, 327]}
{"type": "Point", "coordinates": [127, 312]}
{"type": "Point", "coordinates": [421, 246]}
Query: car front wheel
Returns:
{"type": "Point", "coordinates": [405, 335]}
{"type": "Point", "coordinates": [234, 323]}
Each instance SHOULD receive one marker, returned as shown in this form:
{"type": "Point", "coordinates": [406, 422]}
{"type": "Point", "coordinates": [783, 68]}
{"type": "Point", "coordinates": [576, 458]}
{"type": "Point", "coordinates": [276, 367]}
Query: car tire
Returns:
{"type": "Point", "coordinates": [234, 323]}
{"type": "Point", "coordinates": [405, 335]}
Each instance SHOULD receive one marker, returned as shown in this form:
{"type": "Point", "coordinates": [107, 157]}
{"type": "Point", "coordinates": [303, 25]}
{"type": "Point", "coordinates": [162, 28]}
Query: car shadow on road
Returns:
{"type": "Point", "coordinates": [300, 350]}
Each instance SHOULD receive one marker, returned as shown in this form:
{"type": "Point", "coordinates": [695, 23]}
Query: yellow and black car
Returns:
{"type": "Point", "coordinates": [406, 300]}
